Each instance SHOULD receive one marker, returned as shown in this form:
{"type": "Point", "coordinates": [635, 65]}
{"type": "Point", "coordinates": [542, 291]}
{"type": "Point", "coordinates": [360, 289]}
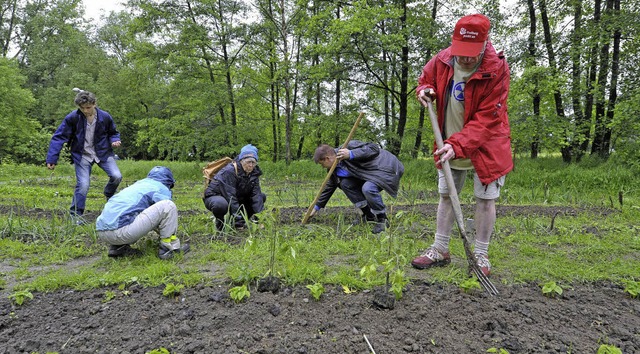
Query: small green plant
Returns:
{"type": "Point", "coordinates": [172, 290]}
{"type": "Point", "coordinates": [316, 290]}
{"type": "Point", "coordinates": [19, 297]}
{"type": "Point", "coordinates": [468, 286]}
{"type": "Point", "coordinates": [551, 289]}
{"type": "Point", "coordinates": [239, 293]}
{"type": "Point", "coordinates": [161, 350]}
{"type": "Point", "coordinates": [497, 350]}
{"type": "Point", "coordinates": [108, 296]}
{"type": "Point", "coordinates": [632, 288]}
{"type": "Point", "coordinates": [398, 282]}
{"type": "Point", "coordinates": [608, 349]}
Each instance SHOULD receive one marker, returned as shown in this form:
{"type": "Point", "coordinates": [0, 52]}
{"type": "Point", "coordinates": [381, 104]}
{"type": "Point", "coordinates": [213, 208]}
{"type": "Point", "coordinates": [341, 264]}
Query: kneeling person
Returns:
{"type": "Point", "coordinates": [138, 209]}
{"type": "Point", "coordinates": [235, 189]}
{"type": "Point", "coordinates": [363, 171]}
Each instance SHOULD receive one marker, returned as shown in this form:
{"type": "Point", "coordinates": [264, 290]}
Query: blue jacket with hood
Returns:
{"type": "Point", "coordinates": [123, 207]}
{"type": "Point", "coordinates": [72, 131]}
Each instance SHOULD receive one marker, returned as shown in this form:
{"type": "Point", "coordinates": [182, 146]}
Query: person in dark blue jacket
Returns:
{"type": "Point", "coordinates": [138, 209]}
{"type": "Point", "coordinates": [91, 135]}
{"type": "Point", "coordinates": [363, 171]}
{"type": "Point", "coordinates": [235, 190]}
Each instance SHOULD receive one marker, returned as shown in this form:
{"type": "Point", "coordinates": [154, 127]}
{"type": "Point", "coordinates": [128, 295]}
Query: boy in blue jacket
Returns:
{"type": "Point", "coordinates": [91, 135]}
{"type": "Point", "coordinates": [138, 209]}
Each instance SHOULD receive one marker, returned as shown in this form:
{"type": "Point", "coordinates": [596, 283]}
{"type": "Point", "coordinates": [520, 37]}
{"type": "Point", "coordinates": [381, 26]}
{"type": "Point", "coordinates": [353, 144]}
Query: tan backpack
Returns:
{"type": "Point", "coordinates": [213, 167]}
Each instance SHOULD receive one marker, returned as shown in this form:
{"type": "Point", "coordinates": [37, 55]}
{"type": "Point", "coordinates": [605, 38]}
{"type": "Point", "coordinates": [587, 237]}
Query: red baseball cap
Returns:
{"type": "Point", "coordinates": [469, 35]}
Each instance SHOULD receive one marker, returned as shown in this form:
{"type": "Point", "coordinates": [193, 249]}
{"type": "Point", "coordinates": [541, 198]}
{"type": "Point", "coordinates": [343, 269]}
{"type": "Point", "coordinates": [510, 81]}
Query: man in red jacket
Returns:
{"type": "Point", "coordinates": [470, 82]}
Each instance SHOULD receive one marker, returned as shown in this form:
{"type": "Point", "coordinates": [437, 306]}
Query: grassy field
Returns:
{"type": "Point", "coordinates": [575, 223]}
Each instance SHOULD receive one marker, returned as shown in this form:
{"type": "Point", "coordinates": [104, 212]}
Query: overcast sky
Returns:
{"type": "Point", "coordinates": [98, 9]}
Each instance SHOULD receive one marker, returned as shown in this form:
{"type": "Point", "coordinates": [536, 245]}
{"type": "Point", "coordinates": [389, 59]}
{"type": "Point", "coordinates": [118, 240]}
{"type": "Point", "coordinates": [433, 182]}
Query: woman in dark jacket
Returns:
{"type": "Point", "coordinates": [235, 190]}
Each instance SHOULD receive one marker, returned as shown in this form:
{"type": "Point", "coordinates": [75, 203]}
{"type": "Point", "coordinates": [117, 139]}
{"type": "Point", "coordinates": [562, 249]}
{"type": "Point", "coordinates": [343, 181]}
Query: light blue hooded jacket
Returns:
{"type": "Point", "coordinates": [122, 208]}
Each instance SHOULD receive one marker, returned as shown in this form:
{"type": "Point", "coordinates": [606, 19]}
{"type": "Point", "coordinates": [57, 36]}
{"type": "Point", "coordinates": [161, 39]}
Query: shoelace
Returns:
{"type": "Point", "coordinates": [433, 254]}
{"type": "Point", "coordinates": [483, 262]}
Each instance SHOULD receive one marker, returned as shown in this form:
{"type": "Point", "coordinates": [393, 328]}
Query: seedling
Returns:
{"type": "Point", "coordinates": [108, 296]}
{"type": "Point", "coordinates": [316, 290]}
{"type": "Point", "coordinates": [551, 289]}
{"type": "Point", "coordinates": [162, 350]}
{"type": "Point", "coordinates": [239, 293]}
{"type": "Point", "coordinates": [497, 350]}
{"type": "Point", "coordinates": [19, 297]}
{"type": "Point", "coordinates": [271, 282]}
{"type": "Point", "coordinates": [395, 277]}
{"type": "Point", "coordinates": [632, 288]}
{"type": "Point", "coordinates": [468, 286]}
{"type": "Point", "coordinates": [172, 290]}
{"type": "Point", "coordinates": [608, 349]}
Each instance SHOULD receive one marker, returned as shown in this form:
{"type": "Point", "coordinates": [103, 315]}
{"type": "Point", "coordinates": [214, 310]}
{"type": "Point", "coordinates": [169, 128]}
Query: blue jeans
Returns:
{"type": "Point", "coordinates": [83, 178]}
{"type": "Point", "coordinates": [362, 193]}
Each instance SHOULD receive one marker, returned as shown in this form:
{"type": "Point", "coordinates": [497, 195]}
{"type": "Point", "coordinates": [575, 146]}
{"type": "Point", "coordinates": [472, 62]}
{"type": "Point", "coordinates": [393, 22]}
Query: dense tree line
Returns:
{"type": "Point", "coordinates": [196, 79]}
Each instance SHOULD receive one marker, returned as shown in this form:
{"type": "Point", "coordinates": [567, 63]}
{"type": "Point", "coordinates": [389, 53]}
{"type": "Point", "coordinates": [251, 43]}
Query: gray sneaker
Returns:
{"type": "Point", "coordinates": [79, 220]}
{"type": "Point", "coordinates": [165, 252]}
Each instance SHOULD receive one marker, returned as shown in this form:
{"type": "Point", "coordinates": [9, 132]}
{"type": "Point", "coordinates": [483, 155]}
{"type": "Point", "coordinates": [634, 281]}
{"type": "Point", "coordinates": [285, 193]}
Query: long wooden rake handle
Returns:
{"type": "Point", "coordinates": [457, 209]}
{"type": "Point", "coordinates": [333, 167]}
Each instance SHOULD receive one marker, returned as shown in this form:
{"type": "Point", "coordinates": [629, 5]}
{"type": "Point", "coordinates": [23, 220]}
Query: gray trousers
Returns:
{"type": "Point", "coordinates": [161, 217]}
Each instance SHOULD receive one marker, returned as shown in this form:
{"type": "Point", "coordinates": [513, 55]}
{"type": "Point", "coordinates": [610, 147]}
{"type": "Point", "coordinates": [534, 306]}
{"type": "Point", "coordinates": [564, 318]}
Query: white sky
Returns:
{"type": "Point", "coordinates": [97, 9]}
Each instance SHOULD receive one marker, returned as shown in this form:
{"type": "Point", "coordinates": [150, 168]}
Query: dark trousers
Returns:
{"type": "Point", "coordinates": [220, 207]}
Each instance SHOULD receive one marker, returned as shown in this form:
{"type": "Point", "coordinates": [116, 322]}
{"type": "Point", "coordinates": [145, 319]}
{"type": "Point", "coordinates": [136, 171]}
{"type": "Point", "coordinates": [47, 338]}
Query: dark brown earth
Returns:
{"type": "Point", "coordinates": [430, 318]}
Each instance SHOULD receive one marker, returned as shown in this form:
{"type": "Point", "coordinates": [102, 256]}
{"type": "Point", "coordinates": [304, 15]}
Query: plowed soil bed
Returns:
{"type": "Point", "coordinates": [429, 318]}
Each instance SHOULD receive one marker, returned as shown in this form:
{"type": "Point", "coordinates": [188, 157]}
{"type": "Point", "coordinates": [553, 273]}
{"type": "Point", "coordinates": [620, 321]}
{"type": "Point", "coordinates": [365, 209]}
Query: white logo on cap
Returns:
{"type": "Point", "coordinates": [467, 34]}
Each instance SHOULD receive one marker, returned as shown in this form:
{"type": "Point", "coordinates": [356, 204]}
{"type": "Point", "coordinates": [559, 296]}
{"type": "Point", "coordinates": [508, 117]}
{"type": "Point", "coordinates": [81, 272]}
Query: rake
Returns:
{"type": "Point", "coordinates": [457, 210]}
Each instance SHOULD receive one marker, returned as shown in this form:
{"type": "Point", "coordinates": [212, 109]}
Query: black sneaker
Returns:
{"type": "Point", "coordinates": [166, 253]}
{"type": "Point", "coordinates": [380, 225]}
{"type": "Point", "coordinates": [123, 251]}
{"type": "Point", "coordinates": [362, 219]}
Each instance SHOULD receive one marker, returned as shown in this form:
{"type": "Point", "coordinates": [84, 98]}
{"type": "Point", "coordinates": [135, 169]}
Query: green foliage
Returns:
{"type": "Point", "coordinates": [608, 349]}
{"type": "Point", "coordinates": [591, 242]}
{"type": "Point", "coordinates": [470, 285]}
{"type": "Point", "coordinates": [551, 289]}
{"type": "Point", "coordinates": [109, 295]}
{"type": "Point", "coordinates": [161, 350]}
{"type": "Point", "coordinates": [497, 350]}
{"type": "Point", "coordinates": [19, 297]}
{"type": "Point", "coordinates": [632, 288]}
{"type": "Point", "coordinates": [239, 293]}
{"type": "Point", "coordinates": [398, 282]}
{"type": "Point", "coordinates": [20, 136]}
{"type": "Point", "coordinates": [172, 290]}
{"type": "Point", "coordinates": [316, 290]}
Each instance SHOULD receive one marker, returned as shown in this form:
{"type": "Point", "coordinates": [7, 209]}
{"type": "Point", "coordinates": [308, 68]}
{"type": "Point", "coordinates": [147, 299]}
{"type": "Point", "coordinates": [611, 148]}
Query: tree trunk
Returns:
{"type": "Point", "coordinates": [602, 133]}
{"type": "Point", "coordinates": [531, 62]}
{"type": "Point", "coordinates": [418, 143]}
{"type": "Point", "coordinates": [557, 96]}
{"type": "Point", "coordinates": [593, 70]}
{"type": "Point", "coordinates": [583, 127]}
{"type": "Point", "coordinates": [615, 72]}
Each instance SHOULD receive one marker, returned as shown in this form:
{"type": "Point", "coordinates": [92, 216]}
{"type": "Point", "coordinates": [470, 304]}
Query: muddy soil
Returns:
{"type": "Point", "coordinates": [429, 318]}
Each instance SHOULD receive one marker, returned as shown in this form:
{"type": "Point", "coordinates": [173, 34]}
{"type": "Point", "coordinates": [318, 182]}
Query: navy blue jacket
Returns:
{"type": "Point", "coordinates": [72, 130]}
{"type": "Point", "coordinates": [237, 186]}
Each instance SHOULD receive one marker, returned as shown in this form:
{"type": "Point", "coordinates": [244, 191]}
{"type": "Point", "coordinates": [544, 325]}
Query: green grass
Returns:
{"type": "Point", "coordinates": [45, 252]}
